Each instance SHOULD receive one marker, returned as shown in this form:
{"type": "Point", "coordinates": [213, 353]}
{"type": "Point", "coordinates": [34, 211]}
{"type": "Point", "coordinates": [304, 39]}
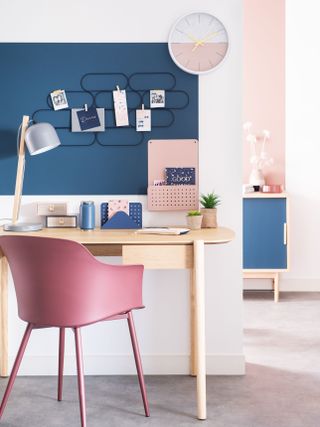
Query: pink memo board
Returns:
{"type": "Point", "coordinates": [163, 153]}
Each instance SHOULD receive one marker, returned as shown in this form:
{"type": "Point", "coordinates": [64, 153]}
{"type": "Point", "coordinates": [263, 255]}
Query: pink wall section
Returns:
{"type": "Point", "coordinates": [264, 80]}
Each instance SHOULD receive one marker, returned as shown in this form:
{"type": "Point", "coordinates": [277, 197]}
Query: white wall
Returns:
{"type": "Point", "coordinates": [303, 146]}
{"type": "Point", "coordinates": [163, 327]}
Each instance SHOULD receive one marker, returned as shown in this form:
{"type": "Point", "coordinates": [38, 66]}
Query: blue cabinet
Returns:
{"type": "Point", "coordinates": [264, 233]}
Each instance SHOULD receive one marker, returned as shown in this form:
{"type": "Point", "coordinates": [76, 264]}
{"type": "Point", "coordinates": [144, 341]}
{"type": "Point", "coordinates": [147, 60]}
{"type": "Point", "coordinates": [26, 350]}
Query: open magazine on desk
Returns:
{"type": "Point", "coordinates": [163, 230]}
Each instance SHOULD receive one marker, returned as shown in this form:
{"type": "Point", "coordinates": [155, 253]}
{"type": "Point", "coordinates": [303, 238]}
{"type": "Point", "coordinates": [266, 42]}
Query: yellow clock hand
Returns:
{"type": "Point", "coordinates": [201, 42]}
{"type": "Point", "coordinates": [191, 37]}
{"type": "Point", "coordinates": [197, 44]}
{"type": "Point", "coordinates": [211, 35]}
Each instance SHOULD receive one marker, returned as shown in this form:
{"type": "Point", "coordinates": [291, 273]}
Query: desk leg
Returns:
{"type": "Point", "coordinates": [3, 316]}
{"type": "Point", "coordinates": [193, 332]}
{"type": "Point", "coordinates": [193, 359]}
{"type": "Point", "coordinates": [200, 328]}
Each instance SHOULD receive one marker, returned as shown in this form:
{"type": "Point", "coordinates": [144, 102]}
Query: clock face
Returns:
{"type": "Point", "coordinates": [198, 43]}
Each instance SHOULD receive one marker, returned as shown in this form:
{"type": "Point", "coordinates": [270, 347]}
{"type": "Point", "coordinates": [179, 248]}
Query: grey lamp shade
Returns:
{"type": "Point", "coordinates": [41, 137]}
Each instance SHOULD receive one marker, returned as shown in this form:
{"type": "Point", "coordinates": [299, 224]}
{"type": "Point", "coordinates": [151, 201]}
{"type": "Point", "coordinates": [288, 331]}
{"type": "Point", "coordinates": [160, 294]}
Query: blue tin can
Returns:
{"type": "Point", "coordinates": [87, 215]}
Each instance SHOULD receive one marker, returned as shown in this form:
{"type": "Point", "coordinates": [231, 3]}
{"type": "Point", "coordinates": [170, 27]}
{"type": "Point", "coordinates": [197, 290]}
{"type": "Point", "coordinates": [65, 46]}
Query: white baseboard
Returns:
{"type": "Point", "coordinates": [286, 285]}
{"type": "Point", "coordinates": [300, 285]}
{"type": "Point", "coordinates": [122, 364]}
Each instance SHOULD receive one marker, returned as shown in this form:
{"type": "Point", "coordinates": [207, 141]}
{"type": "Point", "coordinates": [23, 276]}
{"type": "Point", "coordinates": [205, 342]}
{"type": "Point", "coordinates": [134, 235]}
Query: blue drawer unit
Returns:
{"type": "Point", "coordinates": [264, 233]}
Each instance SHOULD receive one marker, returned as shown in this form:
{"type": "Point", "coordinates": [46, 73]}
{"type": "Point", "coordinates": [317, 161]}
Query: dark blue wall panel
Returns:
{"type": "Point", "coordinates": [117, 164]}
{"type": "Point", "coordinates": [263, 245]}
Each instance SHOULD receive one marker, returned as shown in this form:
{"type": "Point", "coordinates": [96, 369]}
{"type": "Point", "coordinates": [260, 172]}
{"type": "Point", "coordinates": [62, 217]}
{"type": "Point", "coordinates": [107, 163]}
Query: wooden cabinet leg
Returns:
{"type": "Point", "coordinates": [276, 287]}
{"type": "Point", "coordinates": [266, 275]}
{"type": "Point", "coordinates": [193, 331]}
{"type": "Point", "coordinates": [3, 316]}
{"type": "Point", "coordinates": [199, 284]}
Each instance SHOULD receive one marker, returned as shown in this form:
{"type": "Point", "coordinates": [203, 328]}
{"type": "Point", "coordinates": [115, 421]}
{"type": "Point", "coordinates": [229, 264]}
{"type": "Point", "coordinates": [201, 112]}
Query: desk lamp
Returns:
{"type": "Point", "coordinates": [38, 138]}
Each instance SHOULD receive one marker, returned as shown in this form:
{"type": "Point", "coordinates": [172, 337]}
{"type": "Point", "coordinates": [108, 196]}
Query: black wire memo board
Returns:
{"type": "Point", "coordinates": [161, 117]}
{"type": "Point", "coordinates": [109, 162]}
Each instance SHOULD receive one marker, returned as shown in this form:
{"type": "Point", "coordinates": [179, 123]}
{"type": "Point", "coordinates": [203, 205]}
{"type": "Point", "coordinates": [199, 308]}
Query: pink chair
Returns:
{"type": "Point", "coordinates": [60, 284]}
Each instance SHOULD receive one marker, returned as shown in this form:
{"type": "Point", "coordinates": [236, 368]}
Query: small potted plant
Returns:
{"type": "Point", "coordinates": [209, 204]}
{"type": "Point", "coordinates": [194, 220]}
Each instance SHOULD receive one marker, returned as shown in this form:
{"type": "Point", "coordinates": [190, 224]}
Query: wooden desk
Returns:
{"type": "Point", "coordinates": [155, 252]}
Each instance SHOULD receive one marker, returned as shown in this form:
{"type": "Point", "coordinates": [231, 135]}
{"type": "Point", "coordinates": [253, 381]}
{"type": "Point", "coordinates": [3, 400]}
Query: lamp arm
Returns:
{"type": "Point", "coordinates": [20, 171]}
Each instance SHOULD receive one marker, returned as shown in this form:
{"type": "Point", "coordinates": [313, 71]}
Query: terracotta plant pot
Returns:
{"type": "Point", "coordinates": [194, 222]}
{"type": "Point", "coordinates": [209, 218]}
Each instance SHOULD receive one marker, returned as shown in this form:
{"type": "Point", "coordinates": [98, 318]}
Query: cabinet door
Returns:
{"type": "Point", "coordinates": [264, 246]}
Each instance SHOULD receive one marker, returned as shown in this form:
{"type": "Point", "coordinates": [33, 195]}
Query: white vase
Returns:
{"type": "Point", "coordinates": [256, 177]}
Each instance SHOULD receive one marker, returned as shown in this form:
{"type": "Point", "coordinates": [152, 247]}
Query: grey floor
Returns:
{"type": "Point", "coordinates": [281, 388]}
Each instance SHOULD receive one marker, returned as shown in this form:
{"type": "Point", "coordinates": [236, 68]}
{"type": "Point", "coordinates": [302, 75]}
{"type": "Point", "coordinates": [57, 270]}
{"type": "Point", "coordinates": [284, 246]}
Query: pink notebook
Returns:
{"type": "Point", "coordinates": [117, 206]}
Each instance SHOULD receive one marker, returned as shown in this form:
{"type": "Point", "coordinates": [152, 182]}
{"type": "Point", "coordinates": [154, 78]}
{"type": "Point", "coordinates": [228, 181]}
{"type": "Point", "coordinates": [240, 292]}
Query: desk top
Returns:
{"type": "Point", "coordinates": [130, 237]}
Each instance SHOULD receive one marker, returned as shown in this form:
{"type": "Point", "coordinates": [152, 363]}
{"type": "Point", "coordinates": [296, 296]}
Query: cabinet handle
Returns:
{"type": "Point", "coordinates": [285, 233]}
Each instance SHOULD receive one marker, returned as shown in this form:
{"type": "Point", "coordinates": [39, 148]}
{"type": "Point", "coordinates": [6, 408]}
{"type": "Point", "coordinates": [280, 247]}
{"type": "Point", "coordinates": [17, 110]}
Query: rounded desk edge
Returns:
{"type": "Point", "coordinates": [130, 237]}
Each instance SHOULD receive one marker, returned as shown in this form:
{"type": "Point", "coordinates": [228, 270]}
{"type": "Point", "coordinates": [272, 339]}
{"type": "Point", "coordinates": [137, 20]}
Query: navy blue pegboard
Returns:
{"type": "Point", "coordinates": [117, 162]}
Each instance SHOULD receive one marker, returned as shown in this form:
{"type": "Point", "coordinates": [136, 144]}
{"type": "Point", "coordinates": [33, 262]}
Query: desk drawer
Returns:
{"type": "Point", "coordinates": [159, 256]}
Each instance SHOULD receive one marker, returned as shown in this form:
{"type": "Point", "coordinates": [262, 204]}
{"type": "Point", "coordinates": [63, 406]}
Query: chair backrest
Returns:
{"type": "Point", "coordinates": [59, 283]}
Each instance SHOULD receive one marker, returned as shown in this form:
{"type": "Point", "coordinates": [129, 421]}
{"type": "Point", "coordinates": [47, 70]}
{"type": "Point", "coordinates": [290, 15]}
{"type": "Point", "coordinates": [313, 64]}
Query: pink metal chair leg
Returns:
{"type": "Point", "coordinates": [62, 334]}
{"type": "Point", "coordinates": [16, 366]}
{"type": "Point", "coordinates": [137, 359]}
{"type": "Point", "coordinates": [79, 357]}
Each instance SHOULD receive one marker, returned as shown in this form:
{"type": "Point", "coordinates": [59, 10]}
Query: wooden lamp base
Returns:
{"type": "Point", "coordinates": [15, 225]}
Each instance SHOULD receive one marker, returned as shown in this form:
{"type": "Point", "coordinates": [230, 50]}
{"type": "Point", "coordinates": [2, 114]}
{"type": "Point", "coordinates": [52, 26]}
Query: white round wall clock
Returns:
{"type": "Point", "coordinates": [198, 42]}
